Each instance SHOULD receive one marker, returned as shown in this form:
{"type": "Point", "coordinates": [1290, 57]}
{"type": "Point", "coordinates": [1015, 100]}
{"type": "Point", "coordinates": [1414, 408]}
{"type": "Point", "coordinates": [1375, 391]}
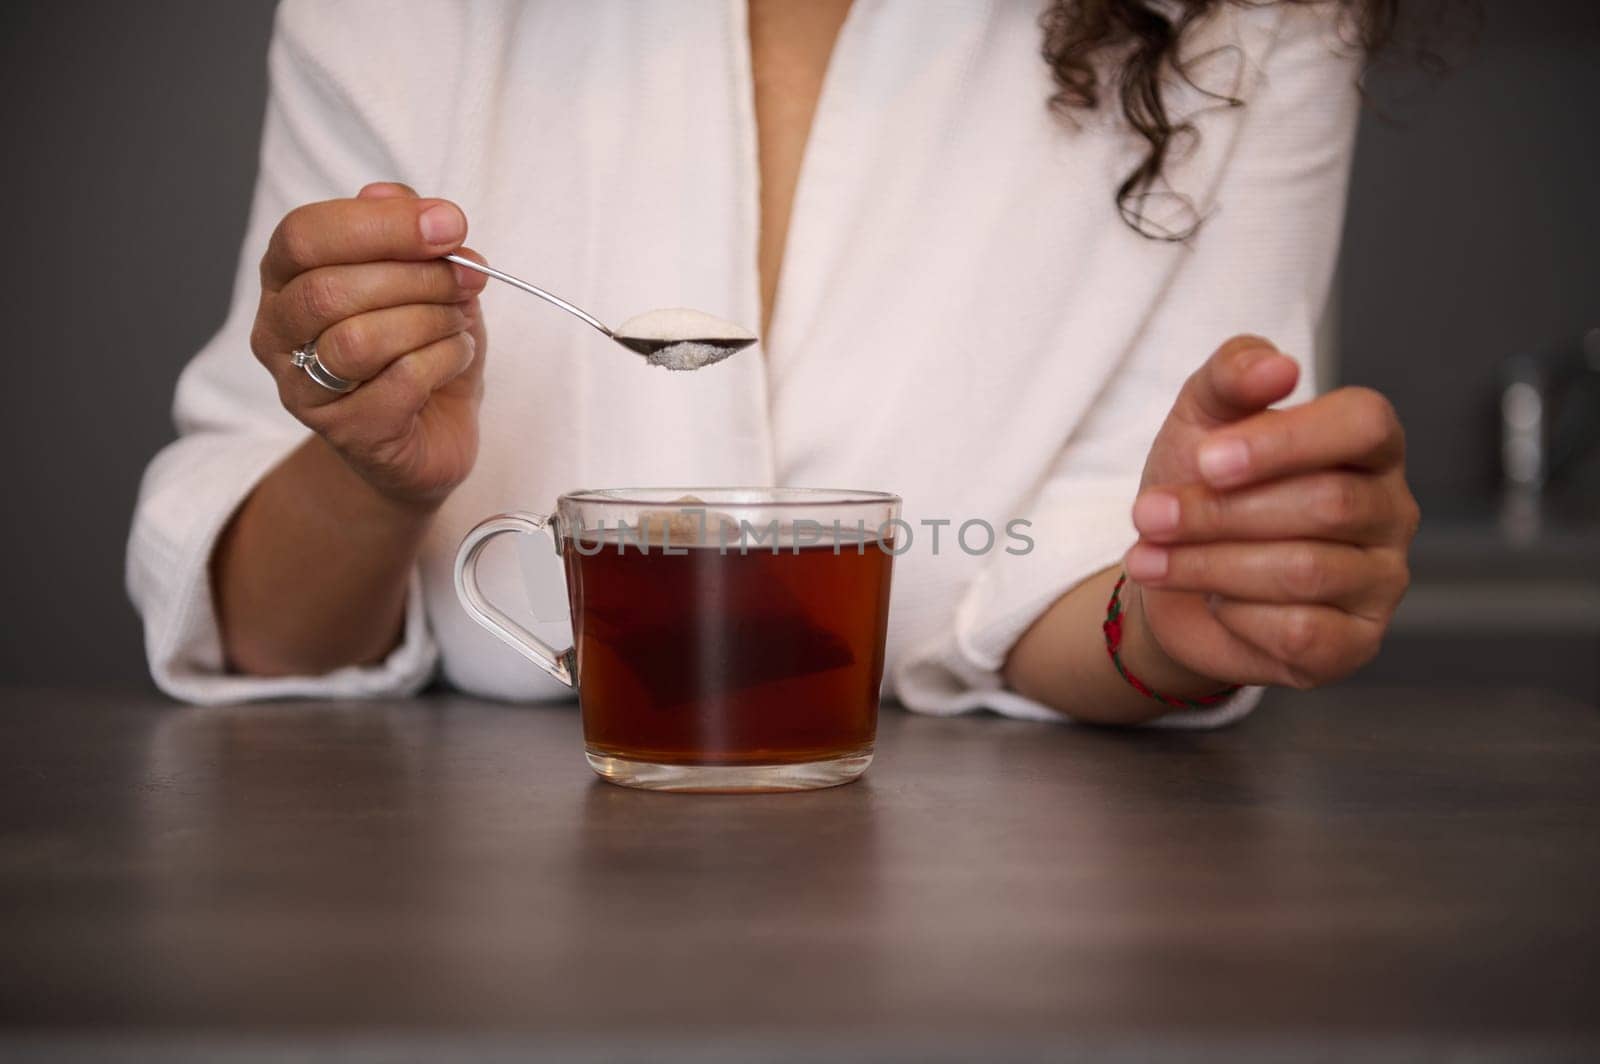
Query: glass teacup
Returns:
{"type": "Point", "coordinates": [724, 639]}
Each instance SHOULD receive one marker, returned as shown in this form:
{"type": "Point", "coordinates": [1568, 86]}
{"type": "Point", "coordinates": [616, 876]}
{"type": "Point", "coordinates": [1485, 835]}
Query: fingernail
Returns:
{"type": "Point", "coordinates": [1222, 461]}
{"type": "Point", "coordinates": [471, 280]}
{"type": "Point", "coordinates": [1146, 563]}
{"type": "Point", "coordinates": [1252, 357]}
{"type": "Point", "coordinates": [442, 224]}
{"type": "Point", "coordinates": [1262, 356]}
{"type": "Point", "coordinates": [1156, 513]}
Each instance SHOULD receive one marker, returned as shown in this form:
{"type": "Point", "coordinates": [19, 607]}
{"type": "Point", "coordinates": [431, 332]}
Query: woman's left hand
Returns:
{"type": "Point", "coordinates": [1272, 543]}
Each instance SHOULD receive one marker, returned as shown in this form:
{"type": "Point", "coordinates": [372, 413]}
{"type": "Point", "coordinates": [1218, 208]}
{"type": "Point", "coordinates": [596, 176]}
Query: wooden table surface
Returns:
{"type": "Point", "coordinates": [1380, 875]}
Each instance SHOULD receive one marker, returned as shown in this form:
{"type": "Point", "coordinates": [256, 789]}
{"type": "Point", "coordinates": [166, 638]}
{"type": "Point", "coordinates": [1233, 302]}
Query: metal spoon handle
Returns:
{"type": "Point", "coordinates": [532, 290]}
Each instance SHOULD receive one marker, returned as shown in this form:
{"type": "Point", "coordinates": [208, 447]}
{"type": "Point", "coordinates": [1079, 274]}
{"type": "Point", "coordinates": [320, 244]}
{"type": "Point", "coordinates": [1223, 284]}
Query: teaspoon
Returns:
{"type": "Point", "coordinates": [680, 339]}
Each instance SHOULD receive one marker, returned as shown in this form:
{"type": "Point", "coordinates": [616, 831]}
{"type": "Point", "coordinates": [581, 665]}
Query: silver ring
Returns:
{"type": "Point", "coordinates": [306, 358]}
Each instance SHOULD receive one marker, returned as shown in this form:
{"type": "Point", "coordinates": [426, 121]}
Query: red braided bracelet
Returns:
{"type": "Point", "coordinates": [1113, 630]}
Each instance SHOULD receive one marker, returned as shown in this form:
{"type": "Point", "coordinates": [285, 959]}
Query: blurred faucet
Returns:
{"type": "Point", "coordinates": [1524, 450]}
{"type": "Point", "coordinates": [1549, 421]}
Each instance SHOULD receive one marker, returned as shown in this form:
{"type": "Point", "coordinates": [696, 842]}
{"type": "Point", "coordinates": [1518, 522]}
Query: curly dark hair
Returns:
{"type": "Point", "coordinates": [1097, 46]}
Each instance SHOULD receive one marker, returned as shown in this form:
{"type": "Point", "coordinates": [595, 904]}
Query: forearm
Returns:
{"type": "Point", "coordinates": [311, 574]}
{"type": "Point", "coordinates": [1061, 660]}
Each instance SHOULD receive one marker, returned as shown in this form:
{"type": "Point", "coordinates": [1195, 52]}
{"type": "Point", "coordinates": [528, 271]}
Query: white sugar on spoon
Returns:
{"type": "Point", "coordinates": [680, 338]}
{"type": "Point", "coordinates": [676, 338]}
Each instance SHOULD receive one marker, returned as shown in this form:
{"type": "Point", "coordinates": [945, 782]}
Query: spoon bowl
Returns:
{"type": "Point", "coordinates": [683, 354]}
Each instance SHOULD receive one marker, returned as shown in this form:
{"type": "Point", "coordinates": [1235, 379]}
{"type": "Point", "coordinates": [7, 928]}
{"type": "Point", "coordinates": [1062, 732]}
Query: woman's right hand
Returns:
{"type": "Point", "coordinates": [363, 278]}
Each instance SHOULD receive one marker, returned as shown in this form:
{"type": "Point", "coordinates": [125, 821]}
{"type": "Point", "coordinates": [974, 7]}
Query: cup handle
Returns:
{"type": "Point", "coordinates": [558, 663]}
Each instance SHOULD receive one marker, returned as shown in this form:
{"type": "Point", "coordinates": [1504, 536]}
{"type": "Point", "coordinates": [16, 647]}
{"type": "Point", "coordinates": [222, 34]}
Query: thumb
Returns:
{"type": "Point", "coordinates": [1245, 375]}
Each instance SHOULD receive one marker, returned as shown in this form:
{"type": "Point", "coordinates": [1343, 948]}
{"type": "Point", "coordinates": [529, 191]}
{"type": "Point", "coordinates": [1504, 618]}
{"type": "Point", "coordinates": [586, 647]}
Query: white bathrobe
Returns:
{"type": "Point", "coordinates": [962, 318]}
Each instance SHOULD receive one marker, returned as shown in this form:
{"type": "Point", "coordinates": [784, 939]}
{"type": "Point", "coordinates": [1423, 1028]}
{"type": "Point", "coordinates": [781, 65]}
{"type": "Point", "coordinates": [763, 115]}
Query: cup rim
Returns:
{"type": "Point", "coordinates": [762, 497]}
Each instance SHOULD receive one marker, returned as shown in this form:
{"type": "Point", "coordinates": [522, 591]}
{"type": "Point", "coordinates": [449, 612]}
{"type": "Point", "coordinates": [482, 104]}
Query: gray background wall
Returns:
{"type": "Point", "coordinates": [130, 135]}
{"type": "Point", "coordinates": [1474, 232]}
